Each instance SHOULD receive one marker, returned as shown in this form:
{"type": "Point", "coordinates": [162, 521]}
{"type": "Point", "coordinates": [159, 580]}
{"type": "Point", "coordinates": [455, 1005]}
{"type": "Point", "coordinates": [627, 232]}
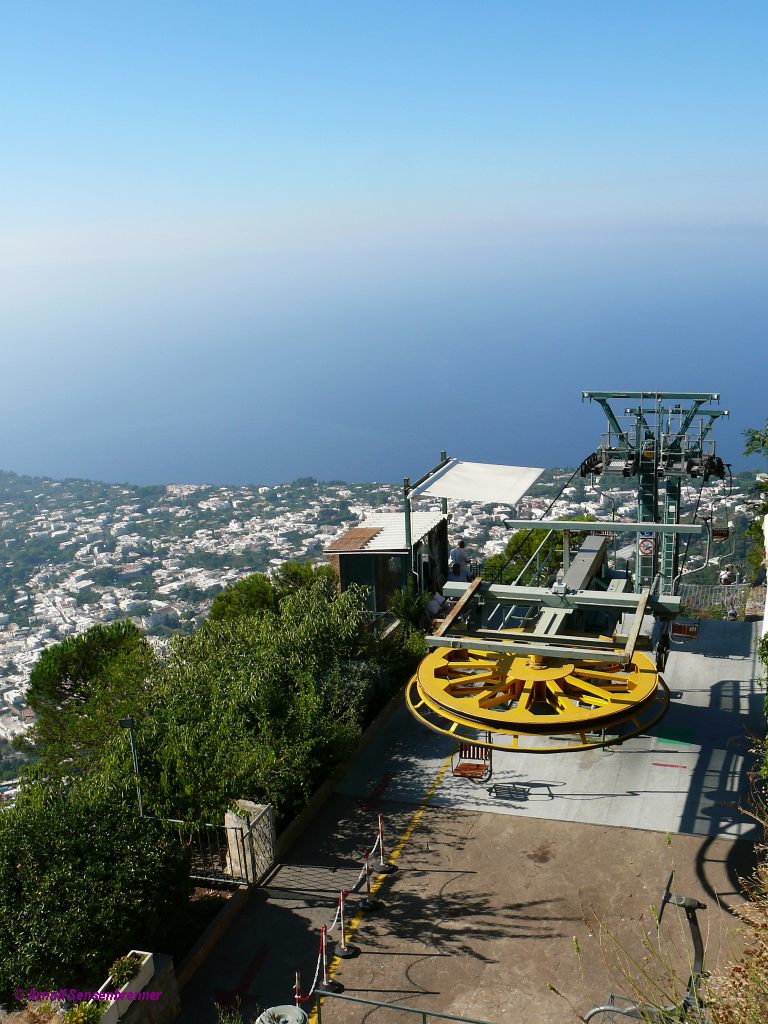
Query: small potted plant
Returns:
{"type": "Point", "coordinates": [127, 974]}
{"type": "Point", "coordinates": [124, 969]}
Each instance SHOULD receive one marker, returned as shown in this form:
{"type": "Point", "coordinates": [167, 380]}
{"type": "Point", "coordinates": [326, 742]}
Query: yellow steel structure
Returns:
{"type": "Point", "coordinates": [525, 701]}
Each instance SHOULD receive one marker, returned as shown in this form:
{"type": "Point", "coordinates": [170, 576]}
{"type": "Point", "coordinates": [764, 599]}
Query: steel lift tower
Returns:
{"type": "Point", "coordinates": [517, 666]}
{"type": "Point", "coordinates": [662, 440]}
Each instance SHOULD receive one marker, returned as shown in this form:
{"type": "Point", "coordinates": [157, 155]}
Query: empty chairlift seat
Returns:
{"type": "Point", "coordinates": [682, 631]}
{"type": "Point", "coordinates": [473, 761]}
{"type": "Point", "coordinates": [719, 525]}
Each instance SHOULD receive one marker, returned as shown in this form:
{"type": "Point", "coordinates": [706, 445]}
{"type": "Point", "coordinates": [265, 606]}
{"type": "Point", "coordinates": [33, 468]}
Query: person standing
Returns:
{"type": "Point", "coordinates": [458, 575]}
{"type": "Point", "coordinates": [459, 558]}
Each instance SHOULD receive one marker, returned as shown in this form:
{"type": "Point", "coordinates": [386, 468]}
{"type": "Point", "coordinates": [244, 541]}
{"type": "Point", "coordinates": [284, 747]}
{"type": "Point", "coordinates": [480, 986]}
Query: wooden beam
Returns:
{"type": "Point", "coordinates": [637, 623]}
{"type": "Point", "coordinates": [460, 605]}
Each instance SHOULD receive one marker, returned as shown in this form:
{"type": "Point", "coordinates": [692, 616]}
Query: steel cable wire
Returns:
{"type": "Point", "coordinates": [498, 576]}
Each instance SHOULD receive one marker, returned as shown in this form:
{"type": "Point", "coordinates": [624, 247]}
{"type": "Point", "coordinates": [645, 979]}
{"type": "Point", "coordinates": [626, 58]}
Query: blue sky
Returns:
{"type": "Point", "coordinates": [251, 241]}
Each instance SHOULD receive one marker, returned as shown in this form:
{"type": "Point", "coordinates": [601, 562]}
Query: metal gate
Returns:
{"type": "Point", "coordinates": [228, 854]}
{"type": "Point", "coordinates": [259, 844]}
{"type": "Point", "coordinates": [219, 854]}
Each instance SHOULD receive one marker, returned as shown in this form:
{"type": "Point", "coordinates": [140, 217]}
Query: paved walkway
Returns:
{"type": "Point", "coordinates": [583, 857]}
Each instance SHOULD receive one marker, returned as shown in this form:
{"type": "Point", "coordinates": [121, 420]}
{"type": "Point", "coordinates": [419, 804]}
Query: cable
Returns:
{"type": "Point", "coordinates": [681, 567]}
{"type": "Point", "coordinates": [500, 572]}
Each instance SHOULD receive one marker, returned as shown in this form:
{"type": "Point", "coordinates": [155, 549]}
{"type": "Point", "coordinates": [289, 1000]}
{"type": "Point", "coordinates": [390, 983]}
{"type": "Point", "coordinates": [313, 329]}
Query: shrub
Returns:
{"type": "Point", "coordinates": [738, 994]}
{"type": "Point", "coordinates": [78, 881]}
{"type": "Point", "coordinates": [410, 607]}
{"type": "Point", "coordinates": [84, 1013]}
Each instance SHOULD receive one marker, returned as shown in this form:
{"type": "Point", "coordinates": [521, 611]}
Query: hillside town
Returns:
{"type": "Point", "coordinates": [76, 553]}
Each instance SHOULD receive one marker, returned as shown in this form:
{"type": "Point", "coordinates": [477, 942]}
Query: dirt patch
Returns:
{"type": "Point", "coordinates": [541, 855]}
{"type": "Point", "coordinates": [40, 1013]}
{"type": "Point", "coordinates": [204, 904]}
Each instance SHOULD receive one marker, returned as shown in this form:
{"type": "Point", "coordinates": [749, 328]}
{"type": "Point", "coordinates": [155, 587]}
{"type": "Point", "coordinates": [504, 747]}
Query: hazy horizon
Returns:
{"type": "Point", "coordinates": [252, 244]}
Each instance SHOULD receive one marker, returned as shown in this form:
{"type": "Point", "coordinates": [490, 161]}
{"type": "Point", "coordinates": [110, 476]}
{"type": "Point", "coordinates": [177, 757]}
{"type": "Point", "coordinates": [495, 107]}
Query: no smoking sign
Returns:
{"type": "Point", "coordinates": [645, 547]}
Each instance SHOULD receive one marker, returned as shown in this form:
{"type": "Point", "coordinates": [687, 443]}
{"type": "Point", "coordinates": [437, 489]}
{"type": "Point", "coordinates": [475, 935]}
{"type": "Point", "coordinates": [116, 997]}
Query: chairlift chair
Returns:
{"type": "Point", "coordinates": [718, 525]}
{"type": "Point", "coordinates": [680, 632]}
{"type": "Point", "coordinates": [473, 761]}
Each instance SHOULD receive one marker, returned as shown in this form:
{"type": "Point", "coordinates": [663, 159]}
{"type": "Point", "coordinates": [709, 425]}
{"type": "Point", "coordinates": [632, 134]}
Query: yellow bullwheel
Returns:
{"type": "Point", "coordinates": [525, 701]}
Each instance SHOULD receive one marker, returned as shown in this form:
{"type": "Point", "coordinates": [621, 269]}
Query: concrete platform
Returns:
{"type": "Point", "coordinates": [688, 776]}
{"type": "Point", "coordinates": [511, 908]}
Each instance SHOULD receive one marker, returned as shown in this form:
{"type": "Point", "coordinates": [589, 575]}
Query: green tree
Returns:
{"type": "Point", "coordinates": [248, 596]}
{"type": "Point", "coordinates": [257, 593]}
{"type": "Point", "coordinates": [80, 688]}
{"type": "Point", "coordinates": [81, 883]}
{"type": "Point", "coordinates": [105, 576]}
{"type": "Point", "coordinates": [260, 706]}
{"type": "Point", "coordinates": [756, 443]}
{"type": "Point", "coordinates": [293, 576]}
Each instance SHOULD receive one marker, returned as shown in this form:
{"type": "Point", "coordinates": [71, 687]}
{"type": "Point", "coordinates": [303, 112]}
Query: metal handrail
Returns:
{"type": "Point", "coordinates": [692, 998]}
{"type": "Point", "coordinates": [321, 994]}
{"type": "Point", "coordinates": [533, 557]}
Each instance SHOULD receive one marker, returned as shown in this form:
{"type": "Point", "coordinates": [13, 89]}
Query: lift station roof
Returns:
{"type": "Point", "coordinates": [478, 481]}
{"type": "Point", "coordinates": [384, 532]}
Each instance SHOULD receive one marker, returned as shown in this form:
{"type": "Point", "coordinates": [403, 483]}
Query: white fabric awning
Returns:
{"type": "Point", "coordinates": [479, 481]}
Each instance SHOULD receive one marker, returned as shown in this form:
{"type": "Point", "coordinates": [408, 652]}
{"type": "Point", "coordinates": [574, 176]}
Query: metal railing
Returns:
{"type": "Point", "coordinates": [426, 1015]}
{"type": "Point", "coordinates": [229, 854]}
{"type": "Point", "coordinates": [218, 853]}
{"type": "Point", "coordinates": [701, 599]}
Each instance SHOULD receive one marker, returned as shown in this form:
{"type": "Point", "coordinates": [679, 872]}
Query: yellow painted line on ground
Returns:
{"type": "Point", "coordinates": [416, 817]}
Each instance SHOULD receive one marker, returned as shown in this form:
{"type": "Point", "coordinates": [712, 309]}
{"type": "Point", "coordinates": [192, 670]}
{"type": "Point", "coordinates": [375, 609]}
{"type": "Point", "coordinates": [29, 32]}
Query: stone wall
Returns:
{"type": "Point", "coordinates": [167, 1007]}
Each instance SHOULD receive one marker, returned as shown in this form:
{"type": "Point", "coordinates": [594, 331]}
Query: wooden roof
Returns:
{"type": "Point", "coordinates": [354, 539]}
